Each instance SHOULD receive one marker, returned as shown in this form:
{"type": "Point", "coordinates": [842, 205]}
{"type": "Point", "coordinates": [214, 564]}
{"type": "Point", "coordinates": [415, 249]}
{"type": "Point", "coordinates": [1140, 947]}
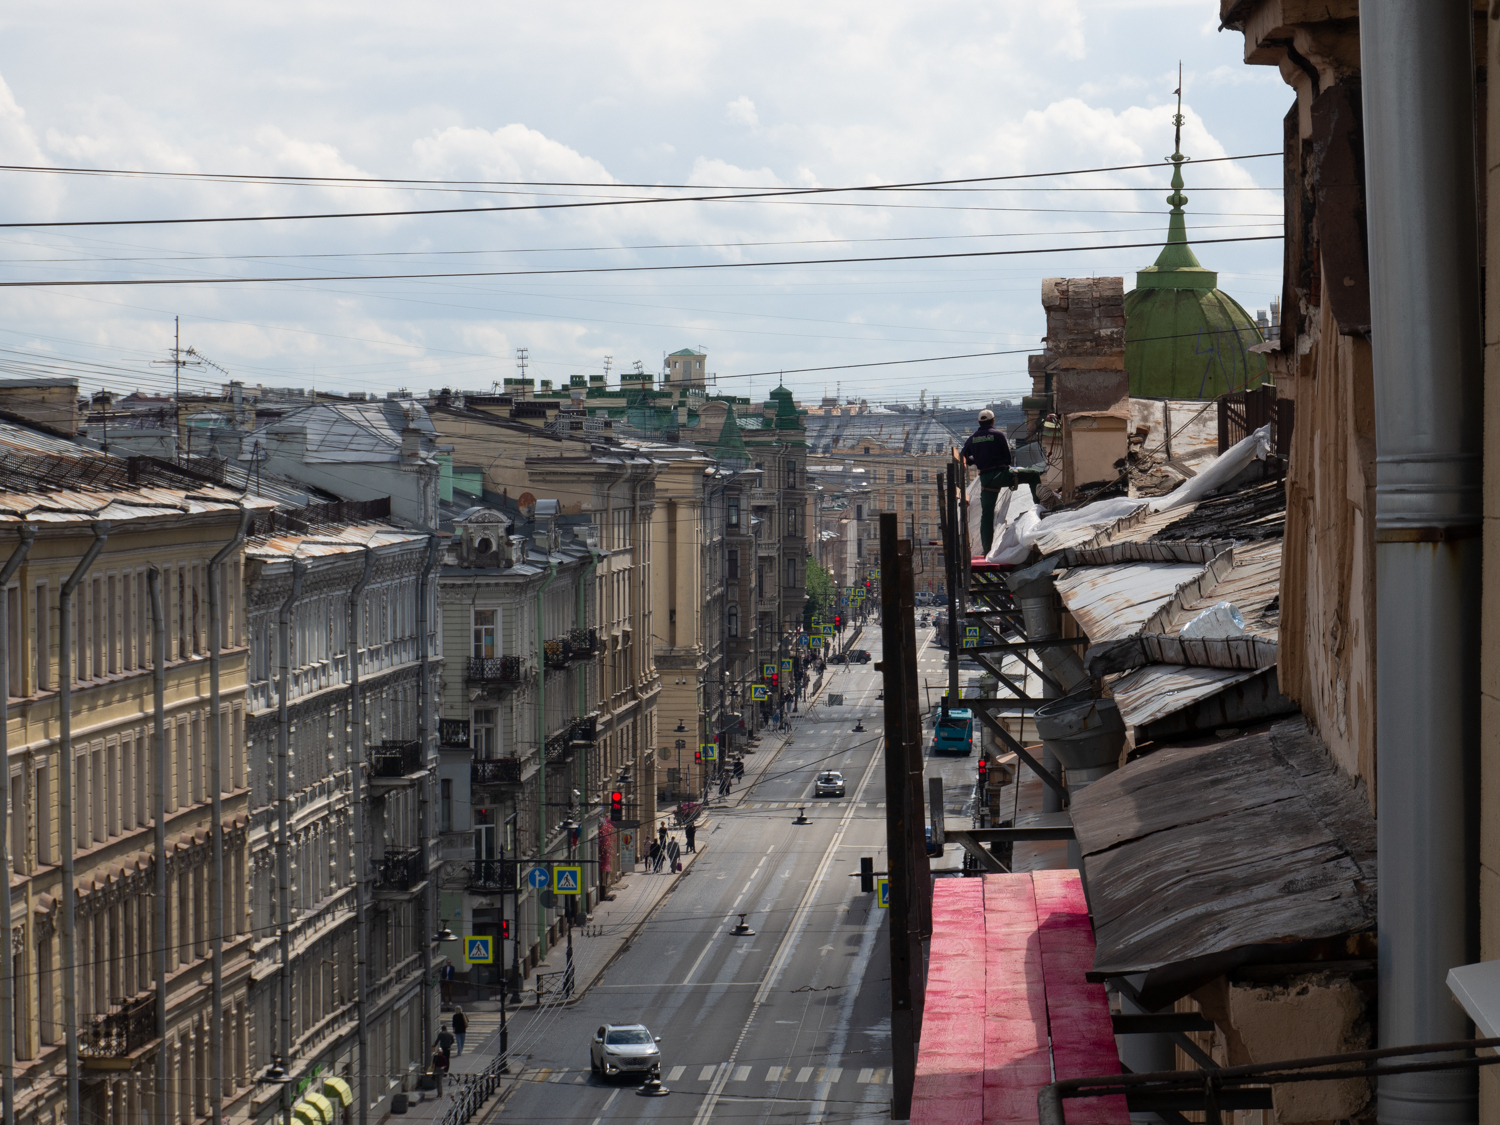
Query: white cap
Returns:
{"type": "Point", "coordinates": [986, 415]}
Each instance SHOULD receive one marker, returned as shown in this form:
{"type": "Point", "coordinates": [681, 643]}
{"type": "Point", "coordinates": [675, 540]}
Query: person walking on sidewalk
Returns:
{"type": "Point", "coordinates": [655, 860]}
{"type": "Point", "coordinates": [460, 1028]}
{"type": "Point", "coordinates": [674, 854]}
{"type": "Point", "coordinates": [691, 832]}
{"type": "Point", "coordinates": [439, 1068]}
{"type": "Point", "coordinates": [661, 835]}
{"type": "Point", "coordinates": [445, 1040]}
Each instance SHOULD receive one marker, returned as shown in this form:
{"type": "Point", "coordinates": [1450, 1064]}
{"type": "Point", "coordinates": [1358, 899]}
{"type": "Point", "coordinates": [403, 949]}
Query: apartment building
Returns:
{"type": "Point", "coordinates": [343, 635]}
{"type": "Point", "coordinates": [524, 773]}
{"type": "Point", "coordinates": [125, 826]}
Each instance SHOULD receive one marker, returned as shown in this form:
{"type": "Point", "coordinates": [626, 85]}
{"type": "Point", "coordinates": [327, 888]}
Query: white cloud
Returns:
{"type": "Point", "coordinates": [742, 112]}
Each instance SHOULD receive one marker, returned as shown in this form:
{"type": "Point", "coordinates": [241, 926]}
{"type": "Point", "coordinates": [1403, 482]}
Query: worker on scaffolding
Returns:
{"type": "Point", "coordinates": [988, 450]}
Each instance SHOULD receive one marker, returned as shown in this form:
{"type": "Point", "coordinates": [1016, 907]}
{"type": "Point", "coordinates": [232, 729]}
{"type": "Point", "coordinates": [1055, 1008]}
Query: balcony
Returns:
{"type": "Point", "coordinates": [396, 760]}
{"type": "Point", "coordinates": [495, 771]}
{"type": "Point", "coordinates": [106, 1040]}
{"type": "Point", "coordinates": [578, 644]}
{"type": "Point", "coordinates": [576, 735]}
{"type": "Point", "coordinates": [493, 875]}
{"type": "Point", "coordinates": [495, 670]}
{"type": "Point", "coordinates": [400, 871]}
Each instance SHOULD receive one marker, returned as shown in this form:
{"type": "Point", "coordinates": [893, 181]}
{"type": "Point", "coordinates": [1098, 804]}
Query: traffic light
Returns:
{"type": "Point", "coordinates": [866, 874]}
{"type": "Point", "coordinates": [775, 680]}
{"type": "Point", "coordinates": [838, 621]}
{"type": "Point", "coordinates": [505, 929]}
{"type": "Point", "coordinates": [984, 770]}
{"type": "Point", "coordinates": [698, 757]}
{"type": "Point", "coordinates": [616, 807]}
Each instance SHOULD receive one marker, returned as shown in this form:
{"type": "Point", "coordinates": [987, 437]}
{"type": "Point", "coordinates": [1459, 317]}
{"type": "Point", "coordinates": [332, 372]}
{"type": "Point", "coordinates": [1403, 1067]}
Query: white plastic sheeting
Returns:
{"type": "Point", "coordinates": [1230, 463]}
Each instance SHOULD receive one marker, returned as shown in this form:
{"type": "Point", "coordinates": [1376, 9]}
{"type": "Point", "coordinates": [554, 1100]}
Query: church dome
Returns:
{"type": "Point", "coordinates": [1184, 336]}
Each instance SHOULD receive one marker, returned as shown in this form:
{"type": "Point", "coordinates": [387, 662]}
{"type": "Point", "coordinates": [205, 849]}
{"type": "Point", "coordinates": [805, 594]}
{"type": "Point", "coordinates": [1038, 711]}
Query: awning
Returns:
{"type": "Point", "coordinates": [1206, 853]}
{"type": "Point", "coordinates": [308, 1114]}
{"type": "Point", "coordinates": [338, 1088]}
{"type": "Point", "coordinates": [321, 1104]}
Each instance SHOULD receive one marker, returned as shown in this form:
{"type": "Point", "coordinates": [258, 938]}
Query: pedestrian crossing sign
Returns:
{"type": "Point", "coordinates": [759, 693]}
{"type": "Point", "coordinates": [815, 642]}
{"type": "Point", "coordinates": [971, 630]}
{"type": "Point", "coordinates": [786, 665]}
{"type": "Point", "coordinates": [768, 669]}
{"type": "Point", "coordinates": [883, 893]}
{"type": "Point", "coordinates": [479, 950]}
{"type": "Point", "coordinates": [710, 751]}
{"type": "Point", "coordinates": [567, 880]}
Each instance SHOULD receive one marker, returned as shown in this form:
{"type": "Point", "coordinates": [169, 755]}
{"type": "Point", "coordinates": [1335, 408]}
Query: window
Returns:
{"type": "Point", "coordinates": [924, 501]}
{"type": "Point", "coordinates": [909, 475]}
{"type": "Point", "coordinates": [867, 451]}
{"type": "Point", "coordinates": [789, 473]}
{"type": "Point", "coordinates": [734, 621]}
{"type": "Point", "coordinates": [484, 833]}
{"type": "Point", "coordinates": [911, 502]}
{"type": "Point", "coordinates": [890, 501]}
{"type": "Point", "coordinates": [485, 624]}
{"type": "Point", "coordinates": [733, 519]}
{"type": "Point", "coordinates": [926, 476]}
{"type": "Point", "coordinates": [791, 572]}
{"type": "Point", "coordinates": [484, 734]}
{"type": "Point", "coordinates": [890, 476]}
{"type": "Point", "coordinates": [445, 805]}
{"type": "Point", "coordinates": [732, 564]}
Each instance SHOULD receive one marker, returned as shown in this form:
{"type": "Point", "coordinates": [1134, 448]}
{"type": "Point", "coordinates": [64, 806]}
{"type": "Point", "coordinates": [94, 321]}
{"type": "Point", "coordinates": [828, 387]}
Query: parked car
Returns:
{"type": "Point", "coordinates": [859, 656]}
{"type": "Point", "coordinates": [830, 783]}
{"type": "Point", "coordinates": [620, 1048]}
{"type": "Point", "coordinates": [838, 658]}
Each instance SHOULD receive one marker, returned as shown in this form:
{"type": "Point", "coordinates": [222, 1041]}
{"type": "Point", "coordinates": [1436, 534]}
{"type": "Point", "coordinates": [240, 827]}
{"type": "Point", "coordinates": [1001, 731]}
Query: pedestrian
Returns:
{"type": "Point", "coordinates": [655, 861]}
{"type": "Point", "coordinates": [988, 450]}
{"type": "Point", "coordinates": [739, 767]}
{"type": "Point", "coordinates": [691, 832]}
{"type": "Point", "coordinates": [448, 983]}
{"type": "Point", "coordinates": [460, 1028]}
{"type": "Point", "coordinates": [439, 1068]}
{"type": "Point", "coordinates": [674, 853]}
{"type": "Point", "coordinates": [661, 835]}
{"type": "Point", "coordinates": [445, 1041]}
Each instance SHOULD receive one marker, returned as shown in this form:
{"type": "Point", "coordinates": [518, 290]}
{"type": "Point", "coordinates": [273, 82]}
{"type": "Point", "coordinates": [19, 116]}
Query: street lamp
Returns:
{"type": "Point", "coordinates": [445, 934]}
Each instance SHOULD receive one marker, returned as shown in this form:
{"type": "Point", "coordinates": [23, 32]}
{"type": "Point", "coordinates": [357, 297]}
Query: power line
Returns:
{"type": "Point", "coordinates": [613, 269]}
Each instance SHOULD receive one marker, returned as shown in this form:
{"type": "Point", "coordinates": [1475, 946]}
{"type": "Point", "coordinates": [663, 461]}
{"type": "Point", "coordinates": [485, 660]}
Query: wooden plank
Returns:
{"type": "Point", "coordinates": [949, 1084]}
{"type": "Point", "coordinates": [1017, 1062]}
{"type": "Point", "coordinates": [1083, 1037]}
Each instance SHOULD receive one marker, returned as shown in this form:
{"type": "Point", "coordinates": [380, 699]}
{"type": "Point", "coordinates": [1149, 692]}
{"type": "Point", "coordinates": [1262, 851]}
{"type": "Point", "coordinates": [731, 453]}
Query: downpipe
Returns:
{"type": "Point", "coordinates": [424, 792]}
{"type": "Point", "coordinates": [284, 820]}
{"type": "Point", "coordinates": [216, 770]}
{"type": "Point", "coordinates": [1417, 66]}
{"type": "Point", "coordinates": [355, 751]}
{"type": "Point", "coordinates": [68, 841]}
{"type": "Point", "coordinates": [7, 982]}
{"type": "Point", "coordinates": [541, 742]}
{"type": "Point", "coordinates": [159, 825]}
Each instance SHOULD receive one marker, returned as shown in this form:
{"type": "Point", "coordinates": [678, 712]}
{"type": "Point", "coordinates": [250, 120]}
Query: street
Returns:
{"type": "Point", "coordinates": [791, 1024]}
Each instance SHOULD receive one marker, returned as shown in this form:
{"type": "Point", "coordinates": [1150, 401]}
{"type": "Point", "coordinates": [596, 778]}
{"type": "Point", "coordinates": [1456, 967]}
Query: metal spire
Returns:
{"type": "Point", "coordinates": [1176, 254]}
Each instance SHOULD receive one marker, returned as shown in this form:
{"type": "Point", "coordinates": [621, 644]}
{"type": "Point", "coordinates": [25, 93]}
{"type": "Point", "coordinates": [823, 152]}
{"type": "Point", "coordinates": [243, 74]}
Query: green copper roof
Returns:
{"type": "Point", "coordinates": [1184, 338]}
{"type": "Point", "coordinates": [788, 417]}
{"type": "Point", "coordinates": [731, 443]}
{"type": "Point", "coordinates": [687, 351]}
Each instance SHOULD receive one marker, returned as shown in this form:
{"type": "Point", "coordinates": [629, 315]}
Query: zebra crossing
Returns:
{"type": "Point", "coordinates": [780, 1075]}
{"type": "Point", "coordinates": [808, 804]}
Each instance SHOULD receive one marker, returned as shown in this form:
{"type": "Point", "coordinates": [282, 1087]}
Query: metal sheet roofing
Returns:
{"type": "Point", "coordinates": [1157, 690]}
{"type": "Point", "coordinates": [348, 433]}
{"type": "Point", "coordinates": [1110, 602]}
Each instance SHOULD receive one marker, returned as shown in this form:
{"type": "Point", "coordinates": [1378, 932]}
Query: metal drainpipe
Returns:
{"type": "Point", "coordinates": [65, 820]}
{"type": "Point", "coordinates": [284, 819]}
{"type": "Point", "coordinates": [357, 799]}
{"type": "Point", "coordinates": [159, 825]}
{"type": "Point", "coordinates": [7, 984]}
{"type": "Point", "coordinates": [583, 692]}
{"type": "Point", "coordinates": [1417, 64]}
{"type": "Point", "coordinates": [541, 739]}
{"type": "Point", "coordinates": [424, 794]}
{"type": "Point", "coordinates": [216, 783]}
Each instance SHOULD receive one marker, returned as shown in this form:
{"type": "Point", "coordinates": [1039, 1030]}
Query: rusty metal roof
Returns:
{"type": "Point", "coordinates": [1110, 602]}
{"type": "Point", "coordinates": [1158, 690]}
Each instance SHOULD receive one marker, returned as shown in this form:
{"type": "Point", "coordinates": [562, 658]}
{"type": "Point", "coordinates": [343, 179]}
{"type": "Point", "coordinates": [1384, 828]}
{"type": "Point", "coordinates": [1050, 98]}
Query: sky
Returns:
{"type": "Point", "coordinates": [506, 105]}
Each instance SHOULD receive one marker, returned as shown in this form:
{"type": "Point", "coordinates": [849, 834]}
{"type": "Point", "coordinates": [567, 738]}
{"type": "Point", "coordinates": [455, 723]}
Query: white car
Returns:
{"type": "Point", "coordinates": [620, 1048]}
{"type": "Point", "coordinates": [830, 783]}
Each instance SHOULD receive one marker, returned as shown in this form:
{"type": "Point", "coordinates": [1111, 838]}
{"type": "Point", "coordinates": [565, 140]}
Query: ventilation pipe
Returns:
{"type": "Point", "coordinates": [7, 984]}
{"type": "Point", "coordinates": [1417, 64]}
{"type": "Point", "coordinates": [216, 783]}
{"type": "Point", "coordinates": [360, 866]}
{"type": "Point", "coordinates": [1083, 733]}
{"type": "Point", "coordinates": [65, 821]}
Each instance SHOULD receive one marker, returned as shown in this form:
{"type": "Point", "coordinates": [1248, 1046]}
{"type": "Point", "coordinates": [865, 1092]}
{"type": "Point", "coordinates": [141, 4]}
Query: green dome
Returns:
{"type": "Point", "coordinates": [1184, 337]}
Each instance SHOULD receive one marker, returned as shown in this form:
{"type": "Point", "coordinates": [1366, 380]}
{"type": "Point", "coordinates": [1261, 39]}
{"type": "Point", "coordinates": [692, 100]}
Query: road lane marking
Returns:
{"type": "Point", "coordinates": [773, 1074]}
{"type": "Point", "coordinates": [804, 1074]}
{"type": "Point", "coordinates": [794, 930]}
{"type": "Point", "coordinates": [741, 1073]}
{"type": "Point", "coordinates": [557, 1076]}
{"type": "Point", "coordinates": [615, 1093]}
{"type": "Point", "coordinates": [676, 1073]}
{"type": "Point", "coordinates": [834, 1074]}
{"type": "Point", "coordinates": [865, 1075]}
{"type": "Point", "coordinates": [707, 1073]}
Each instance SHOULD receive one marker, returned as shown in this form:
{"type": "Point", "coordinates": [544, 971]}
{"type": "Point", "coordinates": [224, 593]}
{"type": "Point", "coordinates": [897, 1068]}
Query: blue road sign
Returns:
{"type": "Point", "coordinates": [538, 878]}
{"type": "Point", "coordinates": [883, 893]}
{"type": "Point", "coordinates": [567, 880]}
{"type": "Point", "coordinates": [479, 951]}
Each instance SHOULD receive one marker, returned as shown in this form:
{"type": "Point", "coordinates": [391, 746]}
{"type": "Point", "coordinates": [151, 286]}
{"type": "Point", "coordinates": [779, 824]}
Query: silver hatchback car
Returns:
{"type": "Point", "coordinates": [620, 1048]}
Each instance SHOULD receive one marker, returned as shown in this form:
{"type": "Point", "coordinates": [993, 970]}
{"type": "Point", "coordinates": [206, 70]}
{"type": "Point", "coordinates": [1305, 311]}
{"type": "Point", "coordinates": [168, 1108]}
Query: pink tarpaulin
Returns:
{"type": "Point", "coordinates": [1007, 1002]}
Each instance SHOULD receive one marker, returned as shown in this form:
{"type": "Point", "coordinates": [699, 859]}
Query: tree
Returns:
{"type": "Point", "coordinates": [821, 596]}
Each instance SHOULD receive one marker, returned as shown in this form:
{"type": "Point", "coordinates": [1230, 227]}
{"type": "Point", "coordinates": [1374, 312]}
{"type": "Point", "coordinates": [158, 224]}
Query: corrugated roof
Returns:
{"type": "Point", "coordinates": [1110, 602]}
{"type": "Point", "coordinates": [1158, 690]}
{"type": "Point", "coordinates": [349, 433]}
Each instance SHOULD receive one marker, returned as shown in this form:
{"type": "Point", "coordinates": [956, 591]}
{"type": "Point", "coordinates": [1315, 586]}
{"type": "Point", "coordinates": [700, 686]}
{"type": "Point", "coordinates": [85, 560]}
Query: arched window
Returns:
{"type": "Point", "coordinates": [734, 621]}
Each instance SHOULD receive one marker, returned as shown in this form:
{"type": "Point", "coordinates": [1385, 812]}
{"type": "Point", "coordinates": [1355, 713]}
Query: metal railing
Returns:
{"type": "Point", "coordinates": [493, 875]}
{"type": "Point", "coordinates": [401, 869]}
{"type": "Point", "coordinates": [495, 669]}
{"type": "Point", "coordinates": [495, 771]}
{"type": "Point", "coordinates": [396, 759]}
{"type": "Point", "coordinates": [126, 1027]}
{"type": "Point", "coordinates": [577, 644]}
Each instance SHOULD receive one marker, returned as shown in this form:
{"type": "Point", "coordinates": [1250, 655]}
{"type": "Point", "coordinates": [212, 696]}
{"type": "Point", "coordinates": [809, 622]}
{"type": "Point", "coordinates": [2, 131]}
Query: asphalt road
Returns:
{"type": "Point", "coordinates": [792, 1024]}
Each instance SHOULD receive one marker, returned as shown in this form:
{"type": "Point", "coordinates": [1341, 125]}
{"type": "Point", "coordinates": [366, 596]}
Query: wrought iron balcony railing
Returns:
{"type": "Point", "coordinates": [577, 644]}
{"type": "Point", "coordinates": [493, 875]}
{"type": "Point", "coordinates": [495, 771]}
{"type": "Point", "coordinates": [128, 1026]}
{"type": "Point", "coordinates": [585, 730]}
{"type": "Point", "coordinates": [396, 759]}
{"type": "Point", "coordinates": [400, 870]}
{"type": "Point", "coordinates": [495, 670]}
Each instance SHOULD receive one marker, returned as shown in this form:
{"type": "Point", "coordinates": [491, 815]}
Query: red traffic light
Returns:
{"type": "Point", "coordinates": [984, 769]}
{"type": "Point", "coordinates": [775, 678]}
{"type": "Point", "coordinates": [836, 620]}
{"type": "Point", "coordinates": [698, 756]}
{"type": "Point", "coordinates": [616, 807]}
{"type": "Point", "coordinates": [505, 929]}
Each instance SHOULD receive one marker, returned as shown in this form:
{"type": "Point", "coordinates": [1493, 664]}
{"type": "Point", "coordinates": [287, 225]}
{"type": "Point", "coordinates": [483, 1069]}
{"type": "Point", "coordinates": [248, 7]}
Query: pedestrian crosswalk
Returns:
{"type": "Point", "coordinates": [740, 1074]}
